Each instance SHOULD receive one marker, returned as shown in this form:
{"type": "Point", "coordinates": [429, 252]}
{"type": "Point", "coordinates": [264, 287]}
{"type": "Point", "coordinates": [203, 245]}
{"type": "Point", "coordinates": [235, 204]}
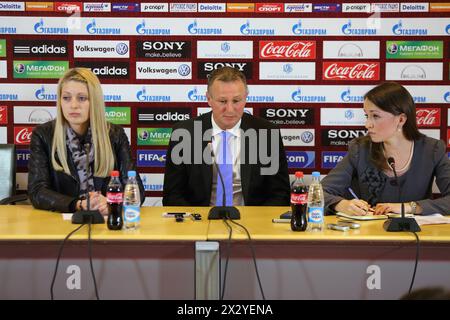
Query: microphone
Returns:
{"type": "Point", "coordinates": [403, 223]}
{"type": "Point", "coordinates": [220, 212]}
{"type": "Point", "coordinates": [87, 216]}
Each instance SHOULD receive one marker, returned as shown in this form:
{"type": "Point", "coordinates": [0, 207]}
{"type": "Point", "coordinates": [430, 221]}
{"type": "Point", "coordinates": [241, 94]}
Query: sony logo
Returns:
{"type": "Point", "coordinates": [346, 134]}
{"type": "Point", "coordinates": [147, 45]}
{"type": "Point", "coordinates": [284, 113]}
{"type": "Point", "coordinates": [210, 66]}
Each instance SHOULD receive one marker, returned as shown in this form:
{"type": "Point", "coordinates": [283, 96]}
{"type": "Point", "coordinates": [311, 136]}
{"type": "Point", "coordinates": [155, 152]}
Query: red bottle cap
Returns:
{"type": "Point", "coordinates": [299, 174]}
{"type": "Point", "coordinates": [114, 173]}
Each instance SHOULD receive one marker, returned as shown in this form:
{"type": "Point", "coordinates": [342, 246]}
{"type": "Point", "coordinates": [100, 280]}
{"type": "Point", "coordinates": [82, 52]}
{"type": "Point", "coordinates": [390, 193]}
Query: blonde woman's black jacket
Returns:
{"type": "Point", "coordinates": [57, 191]}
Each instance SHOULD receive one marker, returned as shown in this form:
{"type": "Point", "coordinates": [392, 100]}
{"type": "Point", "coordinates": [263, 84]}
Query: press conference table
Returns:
{"type": "Point", "coordinates": [164, 259]}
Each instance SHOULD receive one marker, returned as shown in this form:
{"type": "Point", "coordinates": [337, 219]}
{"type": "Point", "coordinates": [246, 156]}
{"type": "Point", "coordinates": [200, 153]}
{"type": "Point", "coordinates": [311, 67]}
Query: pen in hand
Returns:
{"type": "Point", "coordinates": [353, 193]}
{"type": "Point", "coordinates": [369, 209]}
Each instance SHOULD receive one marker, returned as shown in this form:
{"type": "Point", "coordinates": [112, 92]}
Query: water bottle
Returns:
{"type": "Point", "coordinates": [114, 198]}
{"type": "Point", "coordinates": [299, 199]}
{"type": "Point", "coordinates": [132, 203]}
{"type": "Point", "coordinates": [315, 204]}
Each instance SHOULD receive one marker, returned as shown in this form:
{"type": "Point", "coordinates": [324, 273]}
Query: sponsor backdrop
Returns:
{"type": "Point", "coordinates": [308, 66]}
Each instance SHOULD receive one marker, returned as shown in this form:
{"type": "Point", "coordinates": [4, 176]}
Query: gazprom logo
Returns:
{"type": "Point", "coordinates": [194, 29]}
{"type": "Point", "coordinates": [92, 28]}
{"type": "Point", "coordinates": [149, 186]}
{"type": "Point", "coordinates": [346, 96]}
{"type": "Point", "coordinates": [142, 95]}
{"type": "Point", "coordinates": [194, 96]}
{"type": "Point", "coordinates": [40, 28]}
{"type": "Point", "coordinates": [447, 29]}
{"type": "Point", "coordinates": [297, 29]}
{"type": "Point", "coordinates": [399, 30]}
{"type": "Point", "coordinates": [298, 97]}
{"type": "Point", "coordinates": [142, 29]}
{"type": "Point", "coordinates": [447, 97]}
{"type": "Point", "coordinates": [420, 99]}
{"type": "Point", "coordinates": [347, 29]}
{"type": "Point", "coordinates": [246, 30]}
{"type": "Point", "coordinates": [41, 95]}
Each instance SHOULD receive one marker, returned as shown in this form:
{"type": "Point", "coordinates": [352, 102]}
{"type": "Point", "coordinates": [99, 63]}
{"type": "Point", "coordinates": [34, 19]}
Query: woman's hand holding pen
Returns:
{"type": "Point", "coordinates": [356, 207]}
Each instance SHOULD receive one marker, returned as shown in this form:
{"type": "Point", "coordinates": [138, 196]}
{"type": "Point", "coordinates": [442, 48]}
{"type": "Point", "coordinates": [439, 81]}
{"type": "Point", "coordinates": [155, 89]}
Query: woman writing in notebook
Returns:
{"type": "Point", "coordinates": [392, 134]}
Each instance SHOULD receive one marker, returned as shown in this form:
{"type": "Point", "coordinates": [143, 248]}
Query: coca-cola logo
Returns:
{"type": "Point", "coordinates": [114, 197]}
{"type": "Point", "coordinates": [287, 49]}
{"type": "Point", "coordinates": [299, 198]}
{"type": "Point", "coordinates": [351, 71]}
{"type": "Point", "coordinates": [22, 135]}
{"type": "Point", "coordinates": [428, 117]}
{"type": "Point", "coordinates": [3, 115]}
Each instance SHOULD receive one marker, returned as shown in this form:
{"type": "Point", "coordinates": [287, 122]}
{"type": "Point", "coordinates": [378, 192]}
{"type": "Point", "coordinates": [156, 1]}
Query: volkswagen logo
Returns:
{"type": "Point", "coordinates": [122, 48]}
{"type": "Point", "coordinates": [307, 137]}
{"type": "Point", "coordinates": [184, 70]}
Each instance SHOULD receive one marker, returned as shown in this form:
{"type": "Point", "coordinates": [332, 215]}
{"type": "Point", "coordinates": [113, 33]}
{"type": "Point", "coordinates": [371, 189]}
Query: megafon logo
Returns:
{"type": "Point", "coordinates": [142, 29]}
{"type": "Point", "coordinates": [347, 29]}
{"type": "Point", "coordinates": [194, 29]}
{"type": "Point", "coordinates": [92, 28]}
{"type": "Point", "coordinates": [399, 30]}
{"type": "Point", "coordinates": [142, 96]}
{"type": "Point", "coordinates": [447, 97]}
{"type": "Point", "coordinates": [194, 96]}
{"type": "Point", "coordinates": [297, 29]}
{"type": "Point", "coordinates": [40, 28]}
{"type": "Point", "coordinates": [297, 97]}
{"type": "Point", "coordinates": [41, 95]}
{"type": "Point", "coordinates": [246, 30]}
{"type": "Point", "coordinates": [346, 96]}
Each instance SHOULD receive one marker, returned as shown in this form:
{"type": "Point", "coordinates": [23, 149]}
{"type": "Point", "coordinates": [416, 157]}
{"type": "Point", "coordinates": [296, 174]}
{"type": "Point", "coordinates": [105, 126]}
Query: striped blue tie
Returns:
{"type": "Point", "coordinates": [225, 164]}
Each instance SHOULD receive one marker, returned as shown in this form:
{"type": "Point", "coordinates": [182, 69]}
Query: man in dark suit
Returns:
{"type": "Point", "coordinates": [255, 152]}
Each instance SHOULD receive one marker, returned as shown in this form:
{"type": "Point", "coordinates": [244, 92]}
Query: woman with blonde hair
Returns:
{"type": "Point", "coordinates": [58, 179]}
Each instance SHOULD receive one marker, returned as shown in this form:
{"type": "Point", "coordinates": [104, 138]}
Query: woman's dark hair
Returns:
{"type": "Point", "coordinates": [395, 99]}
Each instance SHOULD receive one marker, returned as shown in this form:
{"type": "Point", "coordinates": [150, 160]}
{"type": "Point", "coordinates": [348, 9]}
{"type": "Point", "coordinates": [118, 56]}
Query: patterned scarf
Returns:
{"type": "Point", "coordinates": [78, 152]}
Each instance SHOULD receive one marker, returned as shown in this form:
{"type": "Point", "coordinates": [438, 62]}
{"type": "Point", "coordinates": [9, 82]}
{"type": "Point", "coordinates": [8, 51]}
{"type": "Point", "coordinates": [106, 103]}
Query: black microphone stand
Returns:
{"type": "Point", "coordinates": [222, 212]}
{"type": "Point", "coordinates": [87, 216]}
{"type": "Point", "coordinates": [403, 223]}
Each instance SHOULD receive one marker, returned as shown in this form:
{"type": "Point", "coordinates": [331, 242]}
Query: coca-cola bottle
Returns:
{"type": "Point", "coordinates": [299, 201]}
{"type": "Point", "coordinates": [114, 197]}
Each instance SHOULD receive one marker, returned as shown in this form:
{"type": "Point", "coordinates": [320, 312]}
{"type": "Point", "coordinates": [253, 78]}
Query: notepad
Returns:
{"type": "Point", "coordinates": [436, 218]}
{"type": "Point", "coordinates": [372, 217]}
